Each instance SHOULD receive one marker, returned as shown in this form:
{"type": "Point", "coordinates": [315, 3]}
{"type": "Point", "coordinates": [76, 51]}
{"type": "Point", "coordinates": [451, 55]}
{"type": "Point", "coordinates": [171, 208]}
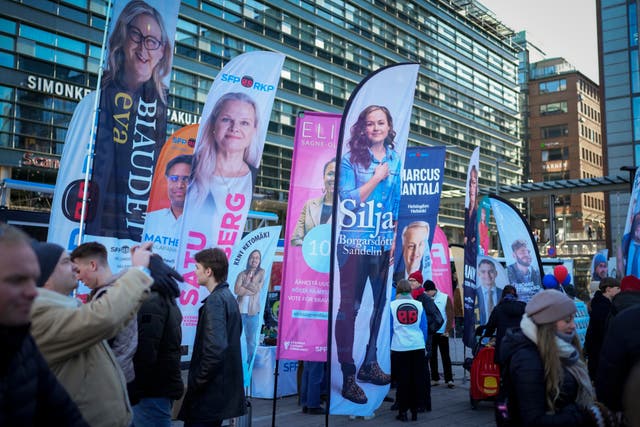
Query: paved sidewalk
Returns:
{"type": "Point", "coordinates": [451, 407]}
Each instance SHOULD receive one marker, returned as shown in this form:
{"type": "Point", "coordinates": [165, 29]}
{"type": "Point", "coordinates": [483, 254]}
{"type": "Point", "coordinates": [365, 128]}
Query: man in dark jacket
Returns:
{"type": "Point", "coordinates": [600, 307]}
{"type": "Point", "coordinates": [29, 392]}
{"type": "Point", "coordinates": [156, 363]}
{"type": "Point", "coordinates": [215, 386]}
{"type": "Point", "coordinates": [620, 352]}
{"type": "Point", "coordinates": [506, 315]}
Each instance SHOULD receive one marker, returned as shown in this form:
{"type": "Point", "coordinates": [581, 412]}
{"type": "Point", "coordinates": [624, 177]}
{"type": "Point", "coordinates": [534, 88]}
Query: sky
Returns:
{"type": "Point", "coordinates": [560, 28]}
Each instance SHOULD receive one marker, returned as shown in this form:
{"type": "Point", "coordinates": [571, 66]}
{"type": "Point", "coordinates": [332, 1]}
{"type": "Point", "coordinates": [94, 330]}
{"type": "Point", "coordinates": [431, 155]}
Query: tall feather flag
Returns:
{"type": "Point", "coordinates": [371, 148]}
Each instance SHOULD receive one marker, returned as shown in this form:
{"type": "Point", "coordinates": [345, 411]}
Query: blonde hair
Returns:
{"type": "Point", "coordinates": [553, 373]}
{"type": "Point", "coordinates": [205, 153]}
{"type": "Point", "coordinates": [118, 41]}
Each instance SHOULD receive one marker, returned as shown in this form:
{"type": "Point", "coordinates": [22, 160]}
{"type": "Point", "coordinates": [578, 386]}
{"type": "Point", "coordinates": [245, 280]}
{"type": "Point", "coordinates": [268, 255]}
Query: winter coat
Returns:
{"type": "Point", "coordinates": [506, 315]}
{"type": "Point", "coordinates": [215, 386]}
{"type": "Point", "coordinates": [526, 387]}
{"type": "Point", "coordinates": [30, 395]}
{"type": "Point", "coordinates": [600, 307]}
{"type": "Point", "coordinates": [432, 314]}
{"type": "Point", "coordinates": [72, 338]}
{"type": "Point", "coordinates": [620, 352]}
{"type": "Point", "coordinates": [125, 343]}
{"type": "Point", "coordinates": [157, 359]}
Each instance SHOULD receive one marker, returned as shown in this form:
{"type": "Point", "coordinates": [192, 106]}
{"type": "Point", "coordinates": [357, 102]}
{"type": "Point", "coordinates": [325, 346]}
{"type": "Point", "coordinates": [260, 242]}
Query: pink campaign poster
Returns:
{"type": "Point", "coordinates": [441, 267]}
{"type": "Point", "coordinates": [304, 298]}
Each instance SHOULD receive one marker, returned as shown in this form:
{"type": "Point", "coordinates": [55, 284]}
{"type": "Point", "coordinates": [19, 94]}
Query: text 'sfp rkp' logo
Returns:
{"type": "Point", "coordinates": [248, 82]}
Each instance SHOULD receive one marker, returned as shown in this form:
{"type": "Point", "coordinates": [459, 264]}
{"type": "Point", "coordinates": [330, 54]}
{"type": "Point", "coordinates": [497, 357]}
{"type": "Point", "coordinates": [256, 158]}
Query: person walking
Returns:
{"type": "Point", "coordinates": [600, 306]}
{"type": "Point", "coordinates": [215, 383]}
{"type": "Point", "coordinates": [506, 315]}
{"type": "Point", "coordinates": [440, 340]}
{"type": "Point", "coordinates": [545, 378]}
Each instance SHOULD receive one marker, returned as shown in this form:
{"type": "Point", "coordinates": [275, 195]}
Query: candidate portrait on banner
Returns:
{"type": "Point", "coordinates": [491, 279]}
{"type": "Point", "coordinates": [317, 210]}
{"type": "Point", "coordinates": [369, 189]}
{"type": "Point", "coordinates": [162, 226]}
{"type": "Point", "coordinates": [415, 251]}
{"type": "Point", "coordinates": [248, 288]}
{"type": "Point", "coordinates": [523, 273]}
{"type": "Point", "coordinates": [132, 120]}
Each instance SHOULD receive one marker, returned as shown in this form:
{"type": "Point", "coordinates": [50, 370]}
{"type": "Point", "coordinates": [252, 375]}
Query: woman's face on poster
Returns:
{"type": "Point", "coordinates": [473, 187]}
{"type": "Point", "coordinates": [143, 50]}
{"type": "Point", "coordinates": [254, 259]}
{"type": "Point", "coordinates": [377, 127]}
{"type": "Point", "coordinates": [235, 126]}
{"type": "Point", "coordinates": [329, 177]}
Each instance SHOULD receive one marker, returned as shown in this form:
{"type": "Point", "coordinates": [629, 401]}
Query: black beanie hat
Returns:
{"type": "Point", "coordinates": [48, 256]}
{"type": "Point", "coordinates": [429, 285]}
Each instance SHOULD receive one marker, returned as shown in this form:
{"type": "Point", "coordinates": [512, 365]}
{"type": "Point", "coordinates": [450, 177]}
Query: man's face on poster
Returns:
{"type": "Point", "coordinates": [523, 256]}
{"type": "Point", "coordinates": [601, 270]}
{"type": "Point", "coordinates": [487, 274]}
{"type": "Point", "coordinates": [177, 182]}
{"type": "Point", "coordinates": [413, 247]}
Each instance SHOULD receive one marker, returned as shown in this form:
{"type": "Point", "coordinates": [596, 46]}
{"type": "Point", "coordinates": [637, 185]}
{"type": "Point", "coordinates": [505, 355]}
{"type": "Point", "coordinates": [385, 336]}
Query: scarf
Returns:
{"type": "Point", "coordinates": [415, 293]}
{"type": "Point", "coordinates": [570, 359]}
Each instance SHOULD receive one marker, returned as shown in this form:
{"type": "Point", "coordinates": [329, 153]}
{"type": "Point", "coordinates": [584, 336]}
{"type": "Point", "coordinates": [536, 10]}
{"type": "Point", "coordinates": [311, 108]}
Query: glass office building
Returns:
{"type": "Point", "coordinates": [620, 83]}
{"type": "Point", "coordinates": [467, 92]}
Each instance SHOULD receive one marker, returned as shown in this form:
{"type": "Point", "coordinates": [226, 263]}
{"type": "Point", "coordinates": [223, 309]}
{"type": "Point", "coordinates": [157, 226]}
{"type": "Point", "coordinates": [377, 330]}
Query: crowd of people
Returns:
{"type": "Point", "coordinates": [114, 361]}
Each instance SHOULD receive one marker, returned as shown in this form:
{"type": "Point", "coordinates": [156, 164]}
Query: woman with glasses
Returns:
{"type": "Point", "coordinates": [132, 120]}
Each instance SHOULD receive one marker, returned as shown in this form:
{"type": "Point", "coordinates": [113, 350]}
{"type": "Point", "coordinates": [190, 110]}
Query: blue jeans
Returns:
{"type": "Point", "coordinates": [250, 326]}
{"type": "Point", "coordinates": [153, 411]}
{"type": "Point", "coordinates": [312, 384]}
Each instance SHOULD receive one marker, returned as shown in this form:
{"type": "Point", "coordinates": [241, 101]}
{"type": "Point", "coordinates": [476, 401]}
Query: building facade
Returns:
{"type": "Point", "coordinates": [566, 143]}
{"type": "Point", "coordinates": [620, 85]}
{"type": "Point", "coordinates": [466, 96]}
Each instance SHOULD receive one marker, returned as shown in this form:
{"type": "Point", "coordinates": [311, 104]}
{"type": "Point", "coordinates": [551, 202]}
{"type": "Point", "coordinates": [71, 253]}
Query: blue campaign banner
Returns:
{"type": "Point", "coordinates": [524, 265]}
{"type": "Point", "coordinates": [422, 179]}
{"type": "Point", "coordinates": [470, 248]}
{"type": "Point", "coordinates": [371, 151]}
{"type": "Point", "coordinates": [629, 248]}
{"type": "Point", "coordinates": [249, 272]}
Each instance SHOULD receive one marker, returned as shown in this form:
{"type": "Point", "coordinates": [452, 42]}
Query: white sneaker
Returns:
{"type": "Point", "coordinates": [435, 383]}
{"type": "Point", "coordinates": [450, 384]}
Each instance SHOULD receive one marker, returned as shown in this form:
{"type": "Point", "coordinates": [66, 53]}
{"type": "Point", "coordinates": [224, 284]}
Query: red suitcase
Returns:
{"type": "Point", "coordinates": [485, 376]}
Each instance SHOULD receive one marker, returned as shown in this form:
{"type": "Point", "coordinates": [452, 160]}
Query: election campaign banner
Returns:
{"type": "Point", "coordinates": [371, 150]}
{"type": "Point", "coordinates": [422, 179]}
{"type": "Point", "coordinates": [441, 263]}
{"type": "Point", "coordinates": [226, 159]}
{"type": "Point", "coordinates": [249, 272]}
{"type": "Point", "coordinates": [304, 301]}
{"type": "Point", "coordinates": [470, 247]}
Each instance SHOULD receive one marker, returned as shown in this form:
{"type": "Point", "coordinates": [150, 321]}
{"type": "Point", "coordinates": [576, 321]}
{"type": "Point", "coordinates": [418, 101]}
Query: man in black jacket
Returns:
{"type": "Point", "coordinates": [156, 363]}
{"type": "Point", "coordinates": [215, 387]}
{"type": "Point", "coordinates": [29, 392]}
{"type": "Point", "coordinates": [600, 307]}
{"type": "Point", "coordinates": [620, 352]}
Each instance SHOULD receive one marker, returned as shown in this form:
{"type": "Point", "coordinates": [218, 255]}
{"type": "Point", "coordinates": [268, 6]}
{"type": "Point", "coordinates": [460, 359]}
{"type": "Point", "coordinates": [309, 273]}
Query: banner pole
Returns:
{"type": "Point", "coordinates": [94, 126]}
{"type": "Point", "coordinates": [276, 373]}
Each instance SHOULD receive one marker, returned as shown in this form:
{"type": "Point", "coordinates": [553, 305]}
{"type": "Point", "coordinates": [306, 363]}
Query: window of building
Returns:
{"type": "Point", "coordinates": [553, 86]}
{"type": "Point", "coordinates": [553, 108]}
{"type": "Point", "coordinates": [555, 154]}
{"type": "Point", "coordinates": [556, 131]}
